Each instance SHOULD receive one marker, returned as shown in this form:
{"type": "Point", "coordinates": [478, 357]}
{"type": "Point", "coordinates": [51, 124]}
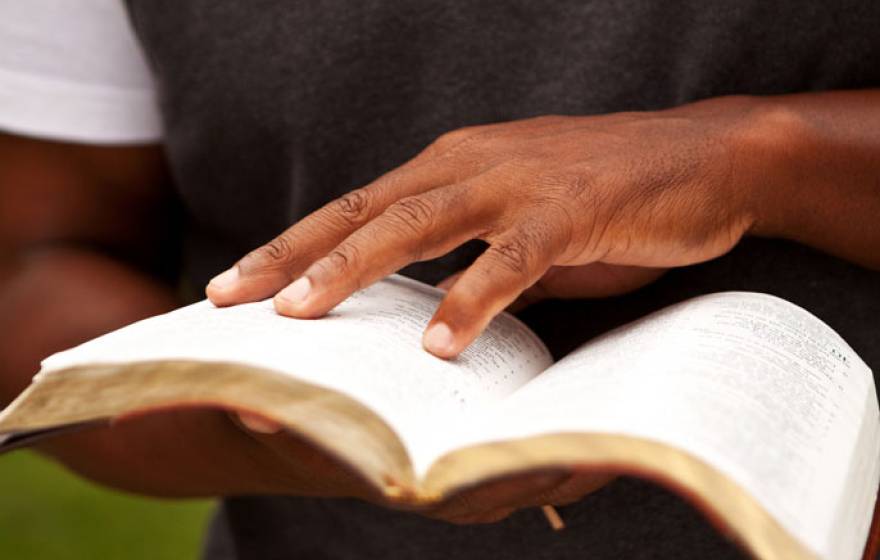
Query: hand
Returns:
{"type": "Point", "coordinates": [486, 503]}
{"type": "Point", "coordinates": [658, 189]}
{"type": "Point", "coordinates": [595, 280]}
{"type": "Point", "coordinates": [496, 500]}
{"type": "Point", "coordinates": [294, 466]}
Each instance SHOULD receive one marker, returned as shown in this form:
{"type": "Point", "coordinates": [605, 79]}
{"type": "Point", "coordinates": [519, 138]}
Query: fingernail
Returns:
{"type": "Point", "coordinates": [225, 279]}
{"type": "Point", "coordinates": [297, 292]}
{"type": "Point", "coordinates": [438, 339]}
{"type": "Point", "coordinates": [258, 424]}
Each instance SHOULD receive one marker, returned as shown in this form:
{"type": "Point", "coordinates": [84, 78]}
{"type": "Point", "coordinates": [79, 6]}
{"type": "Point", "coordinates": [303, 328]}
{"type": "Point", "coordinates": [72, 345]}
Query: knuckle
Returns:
{"type": "Point", "coordinates": [575, 186]}
{"type": "Point", "coordinates": [516, 170]}
{"type": "Point", "coordinates": [569, 198]}
{"type": "Point", "coordinates": [455, 136]}
{"type": "Point", "coordinates": [454, 140]}
{"type": "Point", "coordinates": [414, 213]}
{"type": "Point", "coordinates": [278, 249]}
{"type": "Point", "coordinates": [339, 265]}
{"type": "Point", "coordinates": [341, 259]}
{"type": "Point", "coordinates": [568, 185]}
{"type": "Point", "coordinates": [542, 120]}
{"type": "Point", "coordinates": [511, 254]}
{"type": "Point", "coordinates": [354, 207]}
{"type": "Point", "coordinates": [274, 254]}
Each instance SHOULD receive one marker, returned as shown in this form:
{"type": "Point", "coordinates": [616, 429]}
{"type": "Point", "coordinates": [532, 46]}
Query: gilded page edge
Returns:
{"type": "Point", "coordinates": [726, 505]}
{"type": "Point", "coordinates": [330, 420]}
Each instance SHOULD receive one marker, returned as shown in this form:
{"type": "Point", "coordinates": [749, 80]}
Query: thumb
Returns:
{"type": "Point", "coordinates": [256, 423]}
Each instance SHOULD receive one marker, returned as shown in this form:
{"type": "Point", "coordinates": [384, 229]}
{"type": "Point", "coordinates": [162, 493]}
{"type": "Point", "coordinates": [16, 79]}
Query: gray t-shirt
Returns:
{"type": "Point", "coordinates": [273, 108]}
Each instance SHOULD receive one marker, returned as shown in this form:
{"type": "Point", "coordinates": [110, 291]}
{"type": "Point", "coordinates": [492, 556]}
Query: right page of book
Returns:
{"type": "Point", "coordinates": [749, 383]}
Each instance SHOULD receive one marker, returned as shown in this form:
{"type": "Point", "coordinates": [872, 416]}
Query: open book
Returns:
{"type": "Point", "coordinates": [746, 404]}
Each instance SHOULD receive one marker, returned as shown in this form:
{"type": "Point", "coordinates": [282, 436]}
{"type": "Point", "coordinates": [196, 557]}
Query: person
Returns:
{"type": "Point", "coordinates": [586, 162]}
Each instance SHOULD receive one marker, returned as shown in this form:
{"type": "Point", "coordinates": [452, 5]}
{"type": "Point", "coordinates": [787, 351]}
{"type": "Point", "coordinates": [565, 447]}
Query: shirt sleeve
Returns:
{"type": "Point", "coordinates": [73, 71]}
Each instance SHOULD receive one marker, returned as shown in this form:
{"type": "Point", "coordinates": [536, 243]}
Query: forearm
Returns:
{"type": "Point", "coordinates": [63, 208]}
{"type": "Point", "coordinates": [815, 161]}
{"type": "Point", "coordinates": [54, 196]}
{"type": "Point", "coordinates": [57, 298]}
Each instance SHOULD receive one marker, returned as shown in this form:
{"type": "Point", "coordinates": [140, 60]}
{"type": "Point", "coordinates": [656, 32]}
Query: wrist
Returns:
{"type": "Point", "coordinates": [772, 148]}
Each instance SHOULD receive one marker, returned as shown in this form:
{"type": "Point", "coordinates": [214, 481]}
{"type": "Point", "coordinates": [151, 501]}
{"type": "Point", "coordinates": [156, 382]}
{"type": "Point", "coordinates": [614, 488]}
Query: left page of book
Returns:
{"type": "Point", "coordinates": [369, 348]}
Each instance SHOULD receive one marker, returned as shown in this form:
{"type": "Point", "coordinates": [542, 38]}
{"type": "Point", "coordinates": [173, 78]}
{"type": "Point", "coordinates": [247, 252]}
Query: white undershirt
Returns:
{"type": "Point", "coordinates": [72, 70]}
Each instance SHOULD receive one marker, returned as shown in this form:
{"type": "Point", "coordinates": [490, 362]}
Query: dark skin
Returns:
{"type": "Point", "coordinates": [59, 204]}
{"type": "Point", "coordinates": [571, 207]}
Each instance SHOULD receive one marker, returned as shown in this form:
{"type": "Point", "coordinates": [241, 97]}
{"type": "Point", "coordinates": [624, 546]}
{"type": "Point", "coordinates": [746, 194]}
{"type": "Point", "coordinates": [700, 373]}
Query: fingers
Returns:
{"type": "Point", "coordinates": [495, 500]}
{"type": "Point", "coordinates": [452, 158]}
{"type": "Point", "coordinates": [258, 424]}
{"type": "Point", "coordinates": [510, 265]}
{"type": "Point", "coordinates": [304, 467]}
{"type": "Point", "coordinates": [569, 490]}
{"type": "Point", "coordinates": [264, 271]}
{"type": "Point", "coordinates": [449, 281]}
{"type": "Point", "coordinates": [412, 229]}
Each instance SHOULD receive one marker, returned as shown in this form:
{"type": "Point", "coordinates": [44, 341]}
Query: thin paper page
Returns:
{"type": "Point", "coordinates": [750, 383]}
{"type": "Point", "coordinates": [369, 347]}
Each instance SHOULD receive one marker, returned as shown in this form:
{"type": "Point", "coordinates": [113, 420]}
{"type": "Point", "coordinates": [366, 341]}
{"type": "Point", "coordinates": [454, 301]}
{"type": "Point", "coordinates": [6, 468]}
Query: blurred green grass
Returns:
{"type": "Point", "coordinates": [46, 512]}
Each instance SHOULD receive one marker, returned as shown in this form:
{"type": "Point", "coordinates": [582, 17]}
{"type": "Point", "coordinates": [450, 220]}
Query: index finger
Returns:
{"type": "Point", "coordinates": [264, 271]}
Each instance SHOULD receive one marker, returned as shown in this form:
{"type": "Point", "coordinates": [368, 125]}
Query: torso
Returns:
{"type": "Point", "coordinates": [274, 108]}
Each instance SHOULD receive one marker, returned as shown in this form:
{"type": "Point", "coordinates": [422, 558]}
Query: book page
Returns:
{"type": "Point", "coordinates": [749, 383]}
{"type": "Point", "coordinates": [369, 347]}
